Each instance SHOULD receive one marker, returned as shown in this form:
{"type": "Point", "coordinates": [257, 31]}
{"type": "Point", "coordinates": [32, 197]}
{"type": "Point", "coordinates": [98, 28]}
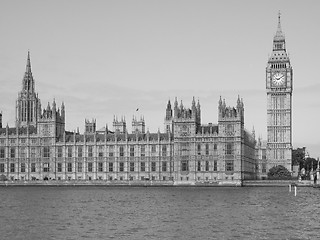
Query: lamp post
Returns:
{"type": "Point", "coordinates": [318, 174]}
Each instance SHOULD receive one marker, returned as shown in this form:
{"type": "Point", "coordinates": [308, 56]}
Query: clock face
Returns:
{"type": "Point", "coordinates": [278, 79]}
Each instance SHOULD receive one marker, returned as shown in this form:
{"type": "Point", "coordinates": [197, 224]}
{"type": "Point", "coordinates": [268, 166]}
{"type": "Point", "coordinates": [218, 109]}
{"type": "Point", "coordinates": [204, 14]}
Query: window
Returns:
{"type": "Point", "coordinates": [153, 148]}
{"type": "Point", "coordinates": [12, 152]}
{"type": "Point", "coordinates": [121, 151]}
{"type": "Point", "coordinates": [131, 166]}
{"type": "Point", "coordinates": [131, 151]}
{"type": "Point", "coordinates": [153, 166]}
{"type": "Point", "coordinates": [143, 166]}
{"type": "Point", "coordinates": [264, 168]}
{"type": "Point", "coordinates": [207, 166]}
{"type": "Point", "coordinates": [215, 146]}
{"type": "Point", "coordinates": [46, 167]}
{"type": "Point", "coordinates": [90, 151]}
{"type": "Point", "coordinates": [12, 167]}
{"type": "Point", "coordinates": [143, 151]}
{"type": "Point", "coordinates": [79, 151]}
{"type": "Point", "coordinates": [100, 166]}
{"type": "Point", "coordinates": [100, 154]}
{"type": "Point", "coordinates": [111, 151]}
{"type": "Point", "coordinates": [2, 152]}
{"type": "Point", "coordinates": [23, 167]}
{"type": "Point", "coordinates": [229, 165]}
{"type": "Point", "coordinates": [59, 167]}
{"type": "Point", "coordinates": [164, 150]}
{"type": "Point", "coordinates": [121, 166]}
{"type": "Point", "coordinates": [69, 167]}
{"type": "Point", "coordinates": [184, 165]}
{"type": "Point", "coordinates": [1, 167]}
{"type": "Point", "coordinates": [33, 167]}
{"type": "Point", "coordinates": [80, 167]}
{"type": "Point", "coordinates": [199, 149]}
{"type": "Point", "coordinates": [33, 152]}
{"type": "Point", "coordinates": [110, 166]}
{"type": "Point", "coordinates": [229, 148]}
{"type": "Point", "coordinates": [164, 166]}
{"type": "Point", "coordinates": [215, 166]}
{"type": "Point", "coordinates": [199, 166]}
{"type": "Point", "coordinates": [89, 166]}
{"type": "Point", "coordinates": [46, 152]}
{"type": "Point", "coordinates": [207, 149]}
{"type": "Point", "coordinates": [59, 152]}
{"type": "Point", "coordinates": [22, 152]}
{"type": "Point", "coordinates": [69, 149]}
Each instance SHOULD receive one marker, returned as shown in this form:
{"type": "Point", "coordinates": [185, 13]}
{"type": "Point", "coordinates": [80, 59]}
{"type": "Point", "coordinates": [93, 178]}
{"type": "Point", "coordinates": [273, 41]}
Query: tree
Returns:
{"type": "Point", "coordinates": [298, 157]}
{"type": "Point", "coordinates": [279, 172]}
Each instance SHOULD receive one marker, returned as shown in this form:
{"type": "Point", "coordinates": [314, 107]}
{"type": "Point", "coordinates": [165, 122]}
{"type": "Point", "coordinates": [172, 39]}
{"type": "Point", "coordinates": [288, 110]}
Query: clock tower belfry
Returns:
{"type": "Point", "coordinates": [279, 85]}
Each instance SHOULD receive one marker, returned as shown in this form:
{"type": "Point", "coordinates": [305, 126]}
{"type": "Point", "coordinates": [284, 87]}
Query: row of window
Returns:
{"type": "Point", "coordinates": [69, 151]}
{"type": "Point", "coordinates": [111, 166]}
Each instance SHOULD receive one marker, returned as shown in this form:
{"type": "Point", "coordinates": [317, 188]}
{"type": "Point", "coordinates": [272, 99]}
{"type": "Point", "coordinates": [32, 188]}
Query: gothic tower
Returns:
{"type": "Point", "coordinates": [279, 79]}
{"type": "Point", "coordinates": [28, 103]}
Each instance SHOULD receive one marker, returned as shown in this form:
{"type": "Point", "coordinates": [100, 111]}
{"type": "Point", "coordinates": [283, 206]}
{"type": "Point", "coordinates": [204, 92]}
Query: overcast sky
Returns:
{"type": "Point", "coordinates": [106, 58]}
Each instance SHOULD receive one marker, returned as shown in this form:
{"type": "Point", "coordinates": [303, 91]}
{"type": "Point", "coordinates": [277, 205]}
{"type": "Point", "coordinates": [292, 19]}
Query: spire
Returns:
{"type": "Point", "coordinates": [28, 67]}
{"type": "Point", "coordinates": [279, 34]}
{"type": "Point", "coordinates": [27, 82]}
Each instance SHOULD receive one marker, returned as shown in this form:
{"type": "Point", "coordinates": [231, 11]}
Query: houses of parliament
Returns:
{"type": "Point", "coordinates": [39, 147]}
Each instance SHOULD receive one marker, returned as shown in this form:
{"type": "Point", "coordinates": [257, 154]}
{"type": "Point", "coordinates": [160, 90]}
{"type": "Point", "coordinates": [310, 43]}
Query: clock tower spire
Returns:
{"type": "Point", "coordinates": [279, 77]}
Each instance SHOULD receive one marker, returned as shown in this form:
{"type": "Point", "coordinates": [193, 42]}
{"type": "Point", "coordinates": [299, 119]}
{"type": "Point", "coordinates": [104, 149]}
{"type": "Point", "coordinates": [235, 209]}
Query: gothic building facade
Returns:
{"type": "Point", "coordinates": [186, 152]}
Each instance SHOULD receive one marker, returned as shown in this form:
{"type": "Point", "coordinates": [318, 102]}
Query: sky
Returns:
{"type": "Point", "coordinates": [108, 58]}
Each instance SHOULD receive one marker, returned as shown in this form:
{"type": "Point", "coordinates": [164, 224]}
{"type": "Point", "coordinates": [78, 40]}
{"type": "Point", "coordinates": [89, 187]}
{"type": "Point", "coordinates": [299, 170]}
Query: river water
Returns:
{"type": "Point", "coordinates": [159, 213]}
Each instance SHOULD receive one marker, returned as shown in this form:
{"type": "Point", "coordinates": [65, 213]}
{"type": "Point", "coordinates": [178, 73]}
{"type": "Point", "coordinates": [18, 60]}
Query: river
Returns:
{"type": "Point", "coordinates": [159, 213]}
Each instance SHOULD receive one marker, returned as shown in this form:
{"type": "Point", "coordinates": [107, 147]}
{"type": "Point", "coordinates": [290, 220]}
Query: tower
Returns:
{"type": "Point", "coordinates": [138, 126]}
{"type": "Point", "coordinates": [27, 105]}
{"type": "Point", "coordinates": [90, 127]}
{"type": "Point", "coordinates": [119, 126]}
{"type": "Point", "coordinates": [279, 84]}
{"type": "Point", "coordinates": [168, 119]}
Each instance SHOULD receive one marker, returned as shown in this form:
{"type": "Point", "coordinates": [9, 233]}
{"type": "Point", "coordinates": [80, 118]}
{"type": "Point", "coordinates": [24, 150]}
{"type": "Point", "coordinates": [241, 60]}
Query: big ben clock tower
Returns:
{"type": "Point", "coordinates": [279, 84]}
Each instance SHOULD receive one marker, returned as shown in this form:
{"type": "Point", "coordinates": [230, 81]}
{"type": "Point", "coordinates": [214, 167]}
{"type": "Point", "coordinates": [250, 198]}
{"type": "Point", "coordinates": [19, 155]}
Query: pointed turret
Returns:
{"type": "Point", "coordinates": [279, 34]}
{"type": "Point", "coordinates": [168, 111]}
{"type": "Point", "coordinates": [279, 42]}
{"type": "Point", "coordinates": [28, 82]}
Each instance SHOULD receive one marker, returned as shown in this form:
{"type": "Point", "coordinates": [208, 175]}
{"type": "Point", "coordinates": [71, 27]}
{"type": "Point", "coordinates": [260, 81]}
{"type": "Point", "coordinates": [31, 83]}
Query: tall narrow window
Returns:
{"type": "Point", "coordinates": [199, 149]}
{"type": "Point", "coordinates": [100, 166]}
{"type": "Point", "coordinates": [207, 149]}
{"type": "Point", "coordinates": [121, 151]}
{"type": "Point", "coordinates": [69, 167]}
{"type": "Point", "coordinates": [164, 166]}
{"type": "Point", "coordinates": [90, 151]}
{"type": "Point", "coordinates": [2, 153]}
{"type": "Point", "coordinates": [131, 166]}
{"type": "Point", "coordinates": [184, 165]}
{"type": "Point", "coordinates": [153, 166]}
{"type": "Point", "coordinates": [59, 152]}
{"type": "Point", "coordinates": [89, 166]}
{"type": "Point", "coordinates": [199, 166]}
{"type": "Point", "coordinates": [12, 167]}
{"type": "Point", "coordinates": [207, 166]}
{"type": "Point", "coordinates": [80, 167]}
{"type": "Point", "coordinates": [23, 167]}
{"type": "Point", "coordinates": [110, 166]}
{"type": "Point", "coordinates": [69, 152]}
{"type": "Point", "coordinates": [12, 152]}
{"type": "Point", "coordinates": [33, 167]}
{"type": "Point", "coordinates": [143, 166]}
{"type": "Point", "coordinates": [164, 150]}
{"type": "Point", "coordinates": [121, 166]}
{"type": "Point", "coordinates": [2, 167]}
{"type": "Point", "coordinates": [79, 151]}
